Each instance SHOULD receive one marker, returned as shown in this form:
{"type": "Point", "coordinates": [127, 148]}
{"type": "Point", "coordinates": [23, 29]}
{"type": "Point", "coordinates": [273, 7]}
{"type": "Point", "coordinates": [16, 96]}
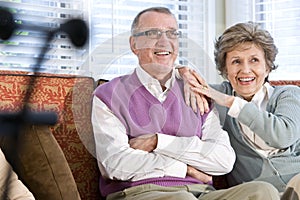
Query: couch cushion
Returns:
{"type": "Point", "coordinates": [40, 163]}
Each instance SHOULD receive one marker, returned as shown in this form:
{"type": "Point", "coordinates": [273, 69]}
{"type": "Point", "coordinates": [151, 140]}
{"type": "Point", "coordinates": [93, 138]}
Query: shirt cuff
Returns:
{"type": "Point", "coordinates": [164, 142]}
{"type": "Point", "coordinates": [236, 107]}
{"type": "Point", "coordinates": [174, 168]}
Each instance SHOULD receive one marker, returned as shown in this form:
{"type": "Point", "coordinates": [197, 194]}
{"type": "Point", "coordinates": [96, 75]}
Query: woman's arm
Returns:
{"type": "Point", "coordinates": [201, 88]}
{"type": "Point", "coordinates": [279, 126]}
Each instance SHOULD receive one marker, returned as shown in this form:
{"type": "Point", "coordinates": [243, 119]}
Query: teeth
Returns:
{"type": "Point", "coordinates": [162, 53]}
{"type": "Point", "coordinates": [246, 79]}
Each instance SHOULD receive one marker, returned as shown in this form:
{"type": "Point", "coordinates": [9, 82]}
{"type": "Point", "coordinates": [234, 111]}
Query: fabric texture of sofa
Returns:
{"type": "Point", "coordinates": [70, 98]}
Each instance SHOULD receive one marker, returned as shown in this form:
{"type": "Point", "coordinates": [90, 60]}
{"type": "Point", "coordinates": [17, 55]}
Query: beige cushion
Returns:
{"type": "Point", "coordinates": [40, 164]}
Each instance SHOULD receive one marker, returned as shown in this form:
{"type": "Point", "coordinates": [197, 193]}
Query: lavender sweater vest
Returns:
{"type": "Point", "coordinates": [141, 113]}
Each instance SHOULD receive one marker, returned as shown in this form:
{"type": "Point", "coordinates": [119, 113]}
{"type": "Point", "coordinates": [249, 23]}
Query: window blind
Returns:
{"type": "Point", "coordinates": [281, 18]}
{"type": "Point", "coordinates": [20, 52]}
{"type": "Point", "coordinates": [110, 53]}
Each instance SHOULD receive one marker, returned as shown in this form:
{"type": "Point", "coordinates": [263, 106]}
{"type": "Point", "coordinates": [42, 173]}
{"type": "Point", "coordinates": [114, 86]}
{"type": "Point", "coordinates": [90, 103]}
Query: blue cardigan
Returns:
{"type": "Point", "coordinates": [278, 126]}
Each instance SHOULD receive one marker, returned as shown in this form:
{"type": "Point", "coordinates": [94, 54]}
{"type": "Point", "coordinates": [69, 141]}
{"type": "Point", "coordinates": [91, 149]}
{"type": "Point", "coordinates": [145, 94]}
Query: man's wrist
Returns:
{"type": "Point", "coordinates": [154, 140]}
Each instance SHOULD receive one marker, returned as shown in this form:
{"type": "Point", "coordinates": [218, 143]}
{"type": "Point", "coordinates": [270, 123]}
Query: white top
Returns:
{"type": "Point", "coordinates": [212, 154]}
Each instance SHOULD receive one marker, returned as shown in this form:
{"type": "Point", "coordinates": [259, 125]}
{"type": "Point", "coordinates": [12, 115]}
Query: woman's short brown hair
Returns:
{"type": "Point", "coordinates": [239, 34]}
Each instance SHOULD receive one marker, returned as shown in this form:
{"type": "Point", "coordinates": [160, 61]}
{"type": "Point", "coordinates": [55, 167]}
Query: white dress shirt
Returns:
{"type": "Point", "coordinates": [211, 154]}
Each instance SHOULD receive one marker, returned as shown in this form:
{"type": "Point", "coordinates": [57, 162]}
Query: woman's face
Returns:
{"type": "Point", "coordinates": [246, 69]}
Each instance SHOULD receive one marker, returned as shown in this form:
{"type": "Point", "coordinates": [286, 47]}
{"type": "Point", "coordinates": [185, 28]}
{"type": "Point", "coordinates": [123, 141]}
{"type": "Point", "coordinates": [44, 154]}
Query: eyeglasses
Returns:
{"type": "Point", "coordinates": [156, 34]}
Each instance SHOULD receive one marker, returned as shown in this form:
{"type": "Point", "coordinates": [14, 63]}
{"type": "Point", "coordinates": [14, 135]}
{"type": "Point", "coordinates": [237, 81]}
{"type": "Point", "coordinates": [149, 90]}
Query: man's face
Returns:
{"type": "Point", "coordinates": [156, 54]}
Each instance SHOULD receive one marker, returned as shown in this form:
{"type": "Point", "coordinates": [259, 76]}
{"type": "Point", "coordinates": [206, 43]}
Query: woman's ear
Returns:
{"type": "Point", "coordinates": [268, 70]}
{"type": "Point", "coordinates": [132, 45]}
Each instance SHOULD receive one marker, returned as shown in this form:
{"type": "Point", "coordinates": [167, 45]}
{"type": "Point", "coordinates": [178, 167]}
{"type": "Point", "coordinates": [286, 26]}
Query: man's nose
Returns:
{"type": "Point", "coordinates": [163, 37]}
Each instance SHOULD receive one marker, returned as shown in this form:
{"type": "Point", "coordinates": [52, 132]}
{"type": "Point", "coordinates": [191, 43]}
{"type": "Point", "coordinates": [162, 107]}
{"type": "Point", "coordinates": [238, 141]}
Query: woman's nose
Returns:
{"type": "Point", "coordinates": [245, 67]}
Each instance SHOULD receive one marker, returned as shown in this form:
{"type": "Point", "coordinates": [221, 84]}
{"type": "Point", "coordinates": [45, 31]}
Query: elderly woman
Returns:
{"type": "Point", "coordinates": [263, 122]}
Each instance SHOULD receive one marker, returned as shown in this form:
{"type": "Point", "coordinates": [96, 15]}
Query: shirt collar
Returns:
{"type": "Point", "coordinates": [265, 92]}
{"type": "Point", "coordinates": [148, 81]}
{"type": "Point", "coordinates": [262, 96]}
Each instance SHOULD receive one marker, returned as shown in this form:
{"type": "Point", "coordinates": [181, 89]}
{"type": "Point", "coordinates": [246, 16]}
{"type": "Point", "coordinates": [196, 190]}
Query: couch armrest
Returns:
{"type": "Point", "coordinates": [40, 163]}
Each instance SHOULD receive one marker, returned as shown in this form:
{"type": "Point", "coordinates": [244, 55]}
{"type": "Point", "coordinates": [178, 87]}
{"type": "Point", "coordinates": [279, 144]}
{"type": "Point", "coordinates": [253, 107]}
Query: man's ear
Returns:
{"type": "Point", "coordinates": [132, 45]}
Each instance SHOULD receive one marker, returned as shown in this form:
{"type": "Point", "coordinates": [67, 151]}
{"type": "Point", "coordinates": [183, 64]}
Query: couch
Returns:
{"type": "Point", "coordinates": [57, 161]}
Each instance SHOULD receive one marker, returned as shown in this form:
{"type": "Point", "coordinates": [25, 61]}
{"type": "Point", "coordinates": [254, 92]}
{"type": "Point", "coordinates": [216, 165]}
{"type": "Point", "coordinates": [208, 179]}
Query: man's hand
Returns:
{"type": "Point", "coordinates": [201, 176]}
{"type": "Point", "coordinates": [192, 98]}
{"type": "Point", "coordinates": [145, 142]}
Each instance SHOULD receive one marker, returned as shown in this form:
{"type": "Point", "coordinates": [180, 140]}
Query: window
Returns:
{"type": "Point", "coordinates": [108, 52]}
{"type": "Point", "coordinates": [111, 20]}
{"type": "Point", "coordinates": [35, 18]}
{"type": "Point", "coordinates": [281, 19]}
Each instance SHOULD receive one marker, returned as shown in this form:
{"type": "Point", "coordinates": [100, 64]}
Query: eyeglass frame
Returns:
{"type": "Point", "coordinates": [159, 33]}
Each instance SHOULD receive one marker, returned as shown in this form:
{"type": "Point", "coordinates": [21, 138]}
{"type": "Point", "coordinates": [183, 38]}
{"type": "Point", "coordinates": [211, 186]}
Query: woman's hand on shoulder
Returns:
{"type": "Point", "coordinates": [194, 100]}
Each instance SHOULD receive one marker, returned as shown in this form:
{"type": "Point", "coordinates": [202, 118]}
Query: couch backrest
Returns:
{"type": "Point", "coordinates": [69, 97]}
{"type": "Point", "coordinates": [285, 82]}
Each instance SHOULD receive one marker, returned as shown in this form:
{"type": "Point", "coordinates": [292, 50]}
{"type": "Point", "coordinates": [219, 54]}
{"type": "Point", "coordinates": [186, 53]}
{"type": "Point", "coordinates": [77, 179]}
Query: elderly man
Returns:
{"type": "Point", "coordinates": [149, 143]}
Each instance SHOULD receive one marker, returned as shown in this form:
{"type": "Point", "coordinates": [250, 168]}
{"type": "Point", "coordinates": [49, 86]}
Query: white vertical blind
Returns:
{"type": "Point", "coordinates": [111, 20]}
{"type": "Point", "coordinates": [108, 53]}
{"type": "Point", "coordinates": [282, 19]}
{"type": "Point", "coordinates": [238, 11]}
{"type": "Point", "coordinates": [20, 52]}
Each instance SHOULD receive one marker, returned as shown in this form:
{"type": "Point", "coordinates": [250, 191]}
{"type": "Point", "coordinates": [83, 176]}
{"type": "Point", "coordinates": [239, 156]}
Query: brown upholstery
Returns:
{"type": "Point", "coordinates": [69, 97]}
{"type": "Point", "coordinates": [40, 163]}
{"type": "Point", "coordinates": [285, 82]}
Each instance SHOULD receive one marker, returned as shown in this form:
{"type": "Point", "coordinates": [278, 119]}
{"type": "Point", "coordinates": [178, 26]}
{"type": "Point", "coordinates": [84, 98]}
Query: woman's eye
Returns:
{"type": "Point", "coordinates": [235, 62]}
{"type": "Point", "coordinates": [254, 60]}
